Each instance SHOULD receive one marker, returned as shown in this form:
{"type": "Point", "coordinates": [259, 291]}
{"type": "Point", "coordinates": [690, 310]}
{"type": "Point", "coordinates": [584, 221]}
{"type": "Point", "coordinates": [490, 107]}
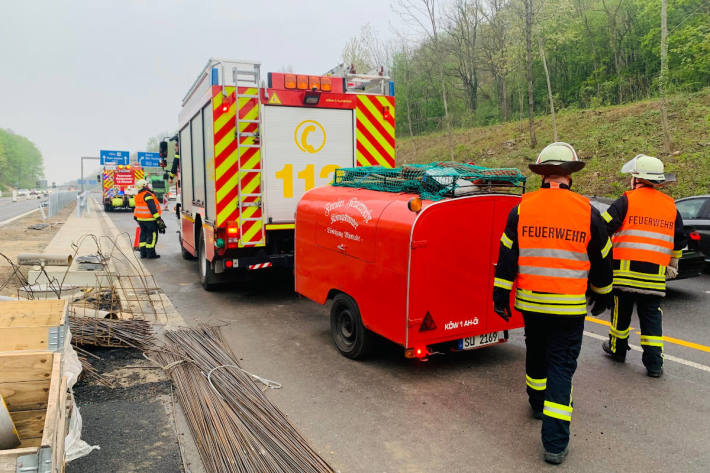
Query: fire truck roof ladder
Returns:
{"type": "Point", "coordinates": [247, 82]}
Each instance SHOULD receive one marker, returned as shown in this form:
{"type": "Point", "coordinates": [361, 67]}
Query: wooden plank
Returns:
{"type": "Point", "coordinates": [29, 424]}
{"type": "Point", "coordinates": [25, 395]}
{"type": "Point", "coordinates": [32, 313]}
{"type": "Point", "coordinates": [24, 338]}
{"type": "Point", "coordinates": [53, 402]}
{"type": "Point", "coordinates": [58, 447]}
{"type": "Point", "coordinates": [8, 458]}
{"type": "Point", "coordinates": [25, 366]}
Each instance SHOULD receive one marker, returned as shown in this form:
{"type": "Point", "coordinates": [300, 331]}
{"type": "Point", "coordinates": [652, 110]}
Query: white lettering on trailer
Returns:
{"type": "Point", "coordinates": [362, 208]}
{"type": "Point", "coordinates": [344, 218]}
{"type": "Point", "coordinates": [333, 205]}
{"type": "Point", "coordinates": [451, 325]}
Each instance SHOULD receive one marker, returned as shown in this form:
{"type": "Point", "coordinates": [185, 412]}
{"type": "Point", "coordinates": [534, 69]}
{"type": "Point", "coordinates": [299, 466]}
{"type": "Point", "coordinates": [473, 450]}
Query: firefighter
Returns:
{"type": "Point", "coordinates": [175, 168]}
{"type": "Point", "coordinates": [147, 214]}
{"type": "Point", "coordinates": [555, 249]}
{"type": "Point", "coordinates": [647, 238]}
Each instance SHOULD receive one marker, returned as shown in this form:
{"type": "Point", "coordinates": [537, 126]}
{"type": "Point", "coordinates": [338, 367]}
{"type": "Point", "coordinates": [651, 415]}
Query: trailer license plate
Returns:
{"type": "Point", "coordinates": [470, 343]}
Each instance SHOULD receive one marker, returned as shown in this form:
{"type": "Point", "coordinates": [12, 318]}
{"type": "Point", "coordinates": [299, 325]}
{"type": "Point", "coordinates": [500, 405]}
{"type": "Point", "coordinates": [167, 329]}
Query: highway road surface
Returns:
{"type": "Point", "coordinates": [10, 209]}
{"type": "Point", "coordinates": [459, 412]}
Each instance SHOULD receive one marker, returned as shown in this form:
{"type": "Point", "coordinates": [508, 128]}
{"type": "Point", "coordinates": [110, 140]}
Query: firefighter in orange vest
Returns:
{"type": "Point", "coordinates": [147, 214]}
{"type": "Point", "coordinates": [647, 238]}
{"type": "Point", "coordinates": [555, 249]}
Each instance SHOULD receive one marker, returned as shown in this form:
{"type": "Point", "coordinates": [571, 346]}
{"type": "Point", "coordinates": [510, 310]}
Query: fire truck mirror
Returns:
{"type": "Point", "coordinates": [163, 149]}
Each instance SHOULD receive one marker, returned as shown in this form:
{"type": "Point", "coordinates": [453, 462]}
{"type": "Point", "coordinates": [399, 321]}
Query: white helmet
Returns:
{"type": "Point", "coordinates": [645, 167]}
{"type": "Point", "coordinates": [141, 183]}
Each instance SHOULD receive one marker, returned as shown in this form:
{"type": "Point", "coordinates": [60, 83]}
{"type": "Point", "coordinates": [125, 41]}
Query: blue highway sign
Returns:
{"type": "Point", "coordinates": [149, 160]}
{"type": "Point", "coordinates": [114, 157]}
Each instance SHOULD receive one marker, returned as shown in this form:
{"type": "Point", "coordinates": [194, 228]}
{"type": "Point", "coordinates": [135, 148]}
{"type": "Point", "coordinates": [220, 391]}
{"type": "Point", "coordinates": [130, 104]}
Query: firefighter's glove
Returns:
{"type": "Point", "coordinates": [161, 225]}
{"type": "Point", "coordinates": [501, 303]}
{"type": "Point", "coordinates": [601, 302]}
{"type": "Point", "coordinates": [672, 269]}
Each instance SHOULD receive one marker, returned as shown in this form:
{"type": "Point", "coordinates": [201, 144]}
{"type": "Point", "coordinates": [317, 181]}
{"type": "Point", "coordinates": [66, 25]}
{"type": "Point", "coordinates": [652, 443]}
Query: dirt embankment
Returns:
{"type": "Point", "coordinates": [17, 237]}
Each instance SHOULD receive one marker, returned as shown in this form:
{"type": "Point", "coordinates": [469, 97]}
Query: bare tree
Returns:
{"type": "Point", "coordinates": [495, 43]}
{"type": "Point", "coordinates": [528, 4]}
{"type": "Point", "coordinates": [549, 88]}
{"type": "Point", "coordinates": [424, 14]}
{"type": "Point", "coordinates": [667, 142]}
{"type": "Point", "coordinates": [465, 18]}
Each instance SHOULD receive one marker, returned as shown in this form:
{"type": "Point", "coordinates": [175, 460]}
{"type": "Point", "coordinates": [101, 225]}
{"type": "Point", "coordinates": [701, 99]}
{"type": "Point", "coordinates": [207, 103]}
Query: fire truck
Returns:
{"type": "Point", "coordinates": [249, 149]}
{"type": "Point", "coordinates": [119, 185]}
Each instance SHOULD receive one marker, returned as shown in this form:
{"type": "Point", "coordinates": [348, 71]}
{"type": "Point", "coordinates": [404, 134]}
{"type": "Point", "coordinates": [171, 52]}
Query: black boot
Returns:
{"type": "Point", "coordinates": [143, 252]}
{"type": "Point", "coordinates": [152, 254]}
{"type": "Point", "coordinates": [622, 346]}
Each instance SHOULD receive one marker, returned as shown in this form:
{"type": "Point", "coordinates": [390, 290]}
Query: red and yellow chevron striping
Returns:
{"type": "Point", "coordinates": [234, 161]}
{"type": "Point", "coordinates": [108, 179]}
{"type": "Point", "coordinates": [375, 131]}
{"type": "Point", "coordinates": [138, 174]}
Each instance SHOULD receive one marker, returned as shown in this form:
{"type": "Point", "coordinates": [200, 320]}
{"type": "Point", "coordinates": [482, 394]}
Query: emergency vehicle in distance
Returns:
{"type": "Point", "coordinates": [408, 254]}
{"type": "Point", "coordinates": [249, 150]}
{"type": "Point", "coordinates": [118, 183]}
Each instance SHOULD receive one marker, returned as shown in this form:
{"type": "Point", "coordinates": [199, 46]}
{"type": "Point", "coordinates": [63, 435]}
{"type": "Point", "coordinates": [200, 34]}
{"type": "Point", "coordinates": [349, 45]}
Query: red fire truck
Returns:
{"type": "Point", "coordinates": [249, 150]}
{"type": "Point", "coordinates": [119, 185]}
{"type": "Point", "coordinates": [418, 272]}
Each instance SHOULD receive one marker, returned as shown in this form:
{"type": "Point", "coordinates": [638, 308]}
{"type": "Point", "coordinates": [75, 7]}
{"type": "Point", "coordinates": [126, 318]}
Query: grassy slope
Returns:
{"type": "Point", "coordinates": [604, 138]}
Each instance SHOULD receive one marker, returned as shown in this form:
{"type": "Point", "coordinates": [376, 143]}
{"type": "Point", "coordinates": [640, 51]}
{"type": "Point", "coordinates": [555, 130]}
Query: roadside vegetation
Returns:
{"type": "Point", "coordinates": [21, 164]}
{"type": "Point", "coordinates": [605, 138]}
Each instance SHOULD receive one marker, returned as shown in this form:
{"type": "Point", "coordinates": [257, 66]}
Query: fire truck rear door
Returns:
{"type": "Point", "coordinates": [301, 149]}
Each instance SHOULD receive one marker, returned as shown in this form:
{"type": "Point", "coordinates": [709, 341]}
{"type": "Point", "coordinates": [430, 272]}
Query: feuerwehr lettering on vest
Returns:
{"type": "Point", "coordinates": [538, 231]}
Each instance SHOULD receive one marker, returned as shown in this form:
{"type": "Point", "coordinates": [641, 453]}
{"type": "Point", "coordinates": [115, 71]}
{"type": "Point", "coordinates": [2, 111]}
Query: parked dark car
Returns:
{"type": "Point", "coordinates": [692, 263]}
{"type": "Point", "coordinates": [696, 218]}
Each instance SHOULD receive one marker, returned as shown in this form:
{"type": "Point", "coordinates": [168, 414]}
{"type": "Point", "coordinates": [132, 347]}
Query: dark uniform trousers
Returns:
{"type": "Point", "coordinates": [553, 345]}
{"type": "Point", "coordinates": [148, 237]}
{"type": "Point", "coordinates": [650, 315]}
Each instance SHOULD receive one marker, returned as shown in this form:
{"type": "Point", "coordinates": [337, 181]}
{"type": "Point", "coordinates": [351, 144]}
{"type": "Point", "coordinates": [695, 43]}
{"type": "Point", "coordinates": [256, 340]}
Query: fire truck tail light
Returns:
{"type": "Point", "coordinates": [229, 263]}
{"type": "Point", "coordinates": [325, 84]}
{"type": "Point", "coordinates": [416, 352]}
{"type": "Point", "coordinates": [302, 82]}
{"type": "Point", "coordinates": [695, 236]}
{"type": "Point", "coordinates": [290, 81]}
{"type": "Point", "coordinates": [232, 235]}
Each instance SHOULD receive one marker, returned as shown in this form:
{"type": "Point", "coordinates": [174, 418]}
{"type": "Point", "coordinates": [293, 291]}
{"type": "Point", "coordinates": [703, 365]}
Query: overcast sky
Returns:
{"type": "Point", "coordinates": [79, 76]}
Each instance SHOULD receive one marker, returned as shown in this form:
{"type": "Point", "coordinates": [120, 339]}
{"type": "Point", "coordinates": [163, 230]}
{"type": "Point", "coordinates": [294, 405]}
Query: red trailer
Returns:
{"type": "Point", "coordinates": [417, 272]}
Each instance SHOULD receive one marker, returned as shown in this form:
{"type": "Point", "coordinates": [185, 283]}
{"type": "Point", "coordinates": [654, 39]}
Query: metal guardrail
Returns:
{"type": "Point", "coordinates": [57, 201]}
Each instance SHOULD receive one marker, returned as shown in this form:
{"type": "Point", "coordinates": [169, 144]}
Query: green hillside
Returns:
{"type": "Point", "coordinates": [605, 138]}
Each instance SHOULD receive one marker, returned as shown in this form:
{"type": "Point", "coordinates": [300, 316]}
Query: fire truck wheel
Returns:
{"type": "Point", "coordinates": [208, 278]}
{"type": "Point", "coordinates": [107, 207]}
{"type": "Point", "coordinates": [351, 337]}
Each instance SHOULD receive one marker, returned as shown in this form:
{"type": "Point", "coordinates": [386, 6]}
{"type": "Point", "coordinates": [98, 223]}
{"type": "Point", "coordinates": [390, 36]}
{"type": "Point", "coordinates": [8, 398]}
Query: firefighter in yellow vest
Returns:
{"type": "Point", "coordinates": [555, 250]}
{"type": "Point", "coordinates": [147, 214]}
{"type": "Point", "coordinates": [647, 238]}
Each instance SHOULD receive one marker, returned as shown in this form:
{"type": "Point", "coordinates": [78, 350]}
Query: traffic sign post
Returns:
{"type": "Point", "coordinates": [149, 160]}
{"type": "Point", "coordinates": [114, 157]}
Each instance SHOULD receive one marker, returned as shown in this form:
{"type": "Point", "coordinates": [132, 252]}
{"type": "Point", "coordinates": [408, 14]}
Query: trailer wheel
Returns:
{"type": "Point", "coordinates": [351, 337]}
{"type": "Point", "coordinates": [208, 278]}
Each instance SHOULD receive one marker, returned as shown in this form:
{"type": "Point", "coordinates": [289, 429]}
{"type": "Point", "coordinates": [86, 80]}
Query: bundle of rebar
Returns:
{"type": "Point", "coordinates": [112, 333]}
{"type": "Point", "coordinates": [235, 426]}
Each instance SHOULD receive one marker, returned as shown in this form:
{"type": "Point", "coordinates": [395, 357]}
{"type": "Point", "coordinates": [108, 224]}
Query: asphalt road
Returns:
{"type": "Point", "coordinates": [9, 209]}
{"type": "Point", "coordinates": [459, 412]}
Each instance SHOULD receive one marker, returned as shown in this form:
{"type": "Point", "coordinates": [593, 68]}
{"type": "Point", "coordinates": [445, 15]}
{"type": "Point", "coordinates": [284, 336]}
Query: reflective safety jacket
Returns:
{"type": "Point", "coordinates": [176, 165]}
{"type": "Point", "coordinates": [647, 231]}
{"type": "Point", "coordinates": [554, 246]}
{"type": "Point", "coordinates": [146, 210]}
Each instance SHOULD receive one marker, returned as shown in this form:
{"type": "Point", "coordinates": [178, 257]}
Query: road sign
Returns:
{"type": "Point", "coordinates": [114, 157]}
{"type": "Point", "coordinates": [149, 160]}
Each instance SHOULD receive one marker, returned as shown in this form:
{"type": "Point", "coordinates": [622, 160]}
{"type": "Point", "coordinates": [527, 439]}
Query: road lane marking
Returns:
{"type": "Point", "coordinates": [682, 361]}
{"type": "Point", "coordinates": [677, 341]}
{"type": "Point", "coordinates": [5, 222]}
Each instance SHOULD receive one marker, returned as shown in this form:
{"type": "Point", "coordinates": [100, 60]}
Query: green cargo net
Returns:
{"type": "Point", "coordinates": [431, 181]}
